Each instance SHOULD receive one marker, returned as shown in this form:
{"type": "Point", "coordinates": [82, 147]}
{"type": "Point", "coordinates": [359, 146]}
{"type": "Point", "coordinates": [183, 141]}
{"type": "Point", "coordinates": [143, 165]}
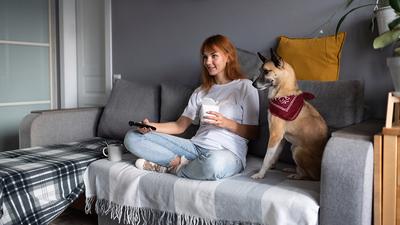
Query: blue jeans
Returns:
{"type": "Point", "coordinates": [163, 148]}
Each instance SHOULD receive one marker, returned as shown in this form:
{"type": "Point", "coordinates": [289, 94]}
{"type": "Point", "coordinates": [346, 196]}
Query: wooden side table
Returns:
{"type": "Point", "coordinates": [386, 169]}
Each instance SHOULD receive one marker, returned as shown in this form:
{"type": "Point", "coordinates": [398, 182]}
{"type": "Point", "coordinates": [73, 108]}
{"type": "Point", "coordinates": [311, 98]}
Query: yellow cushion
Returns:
{"type": "Point", "coordinates": [313, 58]}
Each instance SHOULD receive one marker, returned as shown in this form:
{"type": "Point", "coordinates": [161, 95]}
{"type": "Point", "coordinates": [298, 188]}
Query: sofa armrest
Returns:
{"type": "Point", "coordinates": [58, 126]}
{"type": "Point", "coordinates": [364, 130]}
{"type": "Point", "coordinates": [346, 182]}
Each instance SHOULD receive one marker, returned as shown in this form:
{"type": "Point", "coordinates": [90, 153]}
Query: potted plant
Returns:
{"type": "Point", "coordinates": [383, 13]}
{"type": "Point", "coordinates": [390, 27]}
{"type": "Point", "coordinates": [389, 37]}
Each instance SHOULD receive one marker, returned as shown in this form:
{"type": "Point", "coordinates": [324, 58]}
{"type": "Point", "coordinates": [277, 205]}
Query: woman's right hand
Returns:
{"type": "Point", "coordinates": [144, 130]}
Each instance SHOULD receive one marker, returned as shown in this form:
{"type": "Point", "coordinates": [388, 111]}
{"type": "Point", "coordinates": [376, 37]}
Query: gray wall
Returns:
{"type": "Point", "coordinates": [159, 40]}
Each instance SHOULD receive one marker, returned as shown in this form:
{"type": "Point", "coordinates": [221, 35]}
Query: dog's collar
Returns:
{"type": "Point", "coordinates": [288, 107]}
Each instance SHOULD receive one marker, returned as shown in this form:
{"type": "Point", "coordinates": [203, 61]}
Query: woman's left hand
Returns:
{"type": "Point", "coordinates": [217, 119]}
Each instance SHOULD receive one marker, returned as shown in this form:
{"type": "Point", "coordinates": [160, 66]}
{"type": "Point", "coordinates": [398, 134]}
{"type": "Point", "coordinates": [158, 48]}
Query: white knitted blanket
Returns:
{"type": "Point", "coordinates": [135, 196]}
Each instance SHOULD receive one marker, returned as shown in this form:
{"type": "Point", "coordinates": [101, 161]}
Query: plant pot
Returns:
{"type": "Point", "coordinates": [394, 68]}
{"type": "Point", "coordinates": [384, 16]}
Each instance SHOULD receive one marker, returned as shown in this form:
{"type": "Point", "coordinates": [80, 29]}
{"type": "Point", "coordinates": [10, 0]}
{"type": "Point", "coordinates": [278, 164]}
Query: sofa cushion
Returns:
{"type": "Point", "coordinates": [249, 62]}
{"type": "Point", "coordinates": [339, 102]}
{"type": "Point", "coordinates": [313, 58]}
{"type": "Point", "coordinates": [250, 65]}
{"type": "Point", "coordinates": [174, 98]}
{"type": "Point", "coordinates": [154, 197]}
{"type": "Point", "coordinates": [258, 146]}
{"type": "Point", "coordinates": [128, 101]}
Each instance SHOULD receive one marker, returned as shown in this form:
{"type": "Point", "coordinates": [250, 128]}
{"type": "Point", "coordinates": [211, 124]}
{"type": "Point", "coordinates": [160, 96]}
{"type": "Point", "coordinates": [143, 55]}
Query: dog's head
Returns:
{"type": "Point", "coordinates": [273, 72]}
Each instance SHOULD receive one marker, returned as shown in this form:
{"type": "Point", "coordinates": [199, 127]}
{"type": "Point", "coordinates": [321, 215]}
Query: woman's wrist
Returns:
{"type": "Point", "coordinates": [232, 126]}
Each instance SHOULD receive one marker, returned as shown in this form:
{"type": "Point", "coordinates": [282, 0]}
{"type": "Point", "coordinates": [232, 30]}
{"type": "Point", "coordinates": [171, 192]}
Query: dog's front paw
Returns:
{"type": "Point", "coordinates": [289, 170]}
{"type": "Point", "coordinates": [258, 175]}
{"type": "Point", "coordinates": [295, 176]}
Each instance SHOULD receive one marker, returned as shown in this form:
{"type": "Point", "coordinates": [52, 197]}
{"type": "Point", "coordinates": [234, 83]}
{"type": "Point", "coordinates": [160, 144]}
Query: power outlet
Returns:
{"type": "Point", "coordinates": [117, 76]}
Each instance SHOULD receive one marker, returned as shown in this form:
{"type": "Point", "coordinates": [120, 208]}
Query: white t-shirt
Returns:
{"type": "Point", "coordinates": [237, 100]}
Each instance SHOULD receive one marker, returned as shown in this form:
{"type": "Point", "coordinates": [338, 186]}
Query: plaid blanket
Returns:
{"type": "Point", "coordinates": [37, 184]}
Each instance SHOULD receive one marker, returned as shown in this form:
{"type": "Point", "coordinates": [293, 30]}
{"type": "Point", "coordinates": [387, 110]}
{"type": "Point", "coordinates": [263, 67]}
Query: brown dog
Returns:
{"type": "Point", "coordinates": [290, 117]}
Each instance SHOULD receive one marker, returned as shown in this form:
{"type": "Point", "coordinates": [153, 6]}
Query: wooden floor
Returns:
{"type": "Point", "coordinates": [73, 216]}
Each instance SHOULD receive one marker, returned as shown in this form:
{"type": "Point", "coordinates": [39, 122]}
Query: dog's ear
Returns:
{"type": "Point", "coordinates": [276, 59]}
{"type": "Point", "coordinates": [263, 59]}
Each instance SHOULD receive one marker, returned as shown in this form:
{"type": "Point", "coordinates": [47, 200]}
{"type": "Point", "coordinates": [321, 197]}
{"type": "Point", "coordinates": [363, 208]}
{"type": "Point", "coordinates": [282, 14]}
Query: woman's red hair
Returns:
{"type": "Point", "coordinates": [232, 69]}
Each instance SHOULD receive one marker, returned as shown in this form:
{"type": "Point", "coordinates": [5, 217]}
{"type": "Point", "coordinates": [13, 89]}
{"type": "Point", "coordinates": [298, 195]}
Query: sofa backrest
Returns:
{"type": "Point", "coordinates": [339, 102]}
{"type": "Point", "coordinates": [128, 101]}
{"type": "Point", "coordinates": [174, 98]}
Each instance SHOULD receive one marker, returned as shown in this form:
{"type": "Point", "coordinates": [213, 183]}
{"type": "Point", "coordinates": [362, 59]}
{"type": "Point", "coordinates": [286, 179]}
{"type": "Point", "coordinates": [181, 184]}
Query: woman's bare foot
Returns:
{"type": "Point", "coordinates": [177, 163]}
{"type": "Point", "coordinates": [147, 165]}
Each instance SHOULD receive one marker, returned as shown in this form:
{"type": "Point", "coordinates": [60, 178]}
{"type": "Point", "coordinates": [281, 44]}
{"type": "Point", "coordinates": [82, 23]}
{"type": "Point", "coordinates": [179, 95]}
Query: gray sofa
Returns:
{"type": "Point", "coordinates": [343, 196]}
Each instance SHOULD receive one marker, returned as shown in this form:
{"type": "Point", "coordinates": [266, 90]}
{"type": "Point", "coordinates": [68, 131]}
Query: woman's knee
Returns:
{"type": "Point", "coordinates": [211, 167]}
{"type": "Point", "coordinates": [131, 140]}
{"type": "Point", "coordinates": [222, 168]}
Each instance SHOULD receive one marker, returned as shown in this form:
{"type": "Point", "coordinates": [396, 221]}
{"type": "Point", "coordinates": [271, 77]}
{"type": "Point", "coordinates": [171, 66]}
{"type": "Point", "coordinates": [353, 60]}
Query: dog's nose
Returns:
{"type": "Point", "coordinates": [269, 81]}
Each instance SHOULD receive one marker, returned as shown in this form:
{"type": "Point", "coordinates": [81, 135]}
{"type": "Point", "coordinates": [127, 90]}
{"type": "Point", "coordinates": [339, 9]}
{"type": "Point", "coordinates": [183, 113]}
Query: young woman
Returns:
{"type": "Point", "coordinates": [219, 147]}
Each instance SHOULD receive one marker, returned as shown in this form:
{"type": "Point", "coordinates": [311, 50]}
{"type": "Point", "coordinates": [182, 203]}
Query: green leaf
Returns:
{"type": "Point", "coordinates": [345, 15]}
{"type": "Point", "coordinates": [397, 51]}
{"type": "Point", "coordinates": [395, 4]}
{"type": "Point", "coordinates": [386, 38]}
{"type": "Point", "coordinates": [394, 23]}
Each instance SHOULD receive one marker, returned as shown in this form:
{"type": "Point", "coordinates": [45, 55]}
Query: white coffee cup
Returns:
{"type": "Point", "coordinates": [208, 104]}
{"type": "Point", "coordinates": [114, 152]}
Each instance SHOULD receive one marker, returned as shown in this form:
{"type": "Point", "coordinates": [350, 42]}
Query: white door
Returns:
{"type": "Point", "coordinates": [26, 64]}
{"type": "Point", "coordinates": [85, 49]}
{"type": "Point", "coordinates": [93, 44]}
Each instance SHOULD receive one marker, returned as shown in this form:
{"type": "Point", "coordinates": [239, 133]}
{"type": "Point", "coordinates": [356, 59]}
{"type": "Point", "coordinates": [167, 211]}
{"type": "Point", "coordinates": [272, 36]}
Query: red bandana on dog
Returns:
{"type": "Point", "coordinates": [288, 107]}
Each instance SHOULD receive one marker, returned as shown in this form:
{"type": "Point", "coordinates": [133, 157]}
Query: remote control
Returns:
{"type": "Point", "coordinates": [136, 124]}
